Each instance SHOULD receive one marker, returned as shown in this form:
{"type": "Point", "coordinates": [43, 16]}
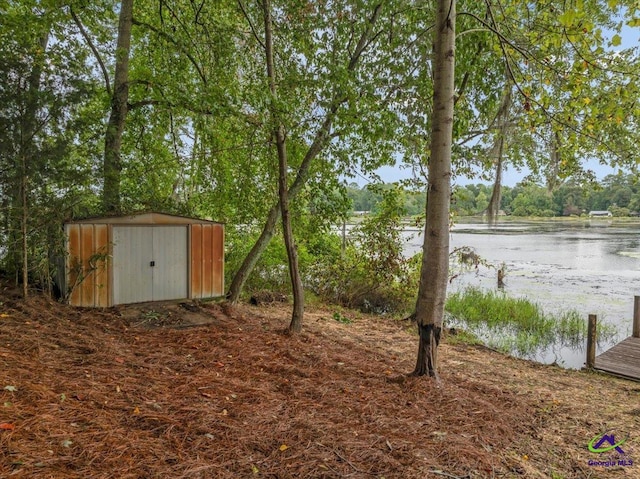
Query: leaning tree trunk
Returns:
{"type": "Point", "coordinates": [112, 166]}
{"type": "Point", "coordinates": [283, 193]}
{"type": "Point", "coordinates": [320, 140]}
{"type": "Point", "coordinates": [435, 260]}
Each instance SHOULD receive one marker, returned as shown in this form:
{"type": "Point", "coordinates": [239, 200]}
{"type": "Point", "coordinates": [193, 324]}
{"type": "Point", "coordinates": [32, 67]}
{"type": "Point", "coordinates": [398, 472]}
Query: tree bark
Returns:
{"type": "Point", "coordinates": [493, 209]}
{"type": "Point", "coordinates": [279, 135]}
{"type": "Point", "coordinates": [322, 137]}
{"type": "Point", "coordinates": [502, 120]}
{"type": "Point", "coordinates": [553, 181]}
{"type": "Point", "coordinates": [434, 273]}
{"type": "Point", "coordinates": [112, 166]}
{"type": "Point", "coordinates": [28, 129]}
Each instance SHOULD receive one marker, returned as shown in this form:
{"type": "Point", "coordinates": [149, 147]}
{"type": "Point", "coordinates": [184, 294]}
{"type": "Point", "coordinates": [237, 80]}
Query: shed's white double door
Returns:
{"type": "Point", "coordinates": [150, 263]}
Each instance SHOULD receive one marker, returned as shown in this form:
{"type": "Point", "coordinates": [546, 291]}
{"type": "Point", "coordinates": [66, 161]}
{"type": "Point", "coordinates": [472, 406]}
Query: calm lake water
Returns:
{"type": "Point", "coordinates": [591, 266]}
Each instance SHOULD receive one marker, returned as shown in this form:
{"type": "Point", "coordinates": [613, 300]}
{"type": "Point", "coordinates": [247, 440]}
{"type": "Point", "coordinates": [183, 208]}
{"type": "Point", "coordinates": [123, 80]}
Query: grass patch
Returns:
{"type": "Point", "coordinates": [517, 325]}
{"type": "Point", "coordinates": [461, 336]}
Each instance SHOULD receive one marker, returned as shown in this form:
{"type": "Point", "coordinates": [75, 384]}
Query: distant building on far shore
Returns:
{"type": "Point", "coordinates": [600, 213]}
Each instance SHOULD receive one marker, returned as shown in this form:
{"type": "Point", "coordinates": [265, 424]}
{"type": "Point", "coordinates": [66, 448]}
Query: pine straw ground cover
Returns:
{"type": "Point", "coordinates": [133, 393]}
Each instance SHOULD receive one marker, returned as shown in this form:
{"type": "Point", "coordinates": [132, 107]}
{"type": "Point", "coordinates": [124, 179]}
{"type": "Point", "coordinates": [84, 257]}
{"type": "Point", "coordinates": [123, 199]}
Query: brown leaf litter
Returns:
{"type": "Point", "coordinates": [198, 391]}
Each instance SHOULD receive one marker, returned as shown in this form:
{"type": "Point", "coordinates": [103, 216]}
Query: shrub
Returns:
{"type": "Point", "coordinates": [371, 274]}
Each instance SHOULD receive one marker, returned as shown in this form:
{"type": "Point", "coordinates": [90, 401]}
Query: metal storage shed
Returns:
{"type": "Point", "coordinates": [143, 257]}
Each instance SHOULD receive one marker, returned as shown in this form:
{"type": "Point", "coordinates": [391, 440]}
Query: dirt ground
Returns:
{"type": "Point", "coordinates": [204, 391]}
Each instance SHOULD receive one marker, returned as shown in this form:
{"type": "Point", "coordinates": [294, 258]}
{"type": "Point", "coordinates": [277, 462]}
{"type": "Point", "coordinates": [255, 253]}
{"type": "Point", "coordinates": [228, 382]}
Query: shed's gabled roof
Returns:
{"type": "Point", "coordinates": [147, 218]}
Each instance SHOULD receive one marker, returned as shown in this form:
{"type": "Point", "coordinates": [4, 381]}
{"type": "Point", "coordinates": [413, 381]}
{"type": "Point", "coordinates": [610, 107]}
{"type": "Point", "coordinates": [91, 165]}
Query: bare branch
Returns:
{"type": "Point", "coordinates": [178, 45]}
{"type": "Point", "coordinates": [93, 48]}
{"type": "Point", "coordinates": [253, 28]}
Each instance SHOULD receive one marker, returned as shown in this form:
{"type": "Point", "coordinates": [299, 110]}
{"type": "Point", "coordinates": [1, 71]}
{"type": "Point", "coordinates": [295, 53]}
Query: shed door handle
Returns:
{"type": "Point", "coordinates": [152, 264]}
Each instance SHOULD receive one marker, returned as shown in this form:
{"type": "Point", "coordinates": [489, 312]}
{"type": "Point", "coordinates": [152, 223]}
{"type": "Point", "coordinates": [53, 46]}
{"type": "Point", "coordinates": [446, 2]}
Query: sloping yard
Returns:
{"type": "Point", "coordinates": [170, 391]}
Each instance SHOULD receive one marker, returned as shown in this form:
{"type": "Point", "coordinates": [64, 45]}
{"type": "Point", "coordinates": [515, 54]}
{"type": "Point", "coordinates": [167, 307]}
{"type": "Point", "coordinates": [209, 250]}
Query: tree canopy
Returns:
{"type": "Point", "coordinates": [186, 124]}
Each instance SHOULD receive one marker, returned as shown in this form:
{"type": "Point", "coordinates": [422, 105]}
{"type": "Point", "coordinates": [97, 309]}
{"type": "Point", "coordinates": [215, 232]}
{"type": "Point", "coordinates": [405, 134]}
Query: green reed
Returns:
{"type": "Point", "coordinates": [517, 324]}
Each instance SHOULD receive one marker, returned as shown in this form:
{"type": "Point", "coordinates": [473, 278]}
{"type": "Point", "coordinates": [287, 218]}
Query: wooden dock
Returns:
{"type": "Point", "coordinates": [622, 360]}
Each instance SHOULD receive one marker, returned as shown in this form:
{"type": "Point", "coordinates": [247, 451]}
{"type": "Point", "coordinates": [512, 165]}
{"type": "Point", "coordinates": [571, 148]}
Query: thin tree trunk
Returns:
{"type": "Point", "coordinates": [322, 137]}
{"type": "Point", "coordinates": [502, 120]}
{"type": "Point", "coordinates": [24, 228]}
{"type": "Point", "coordinates": [493, 209]}
{"type": "Point", "coordinates": [250, 261]}
{"type": "Point", "coordinates": [434, 273]}
{"type": "Point", "coordinates": [554, 163]}
{"type": "Point", "coordinates": [28, 133]}
{"type": "Point", "coordinates": [279, 135]}
{"type": "Point", "coordinates": [112, 166]}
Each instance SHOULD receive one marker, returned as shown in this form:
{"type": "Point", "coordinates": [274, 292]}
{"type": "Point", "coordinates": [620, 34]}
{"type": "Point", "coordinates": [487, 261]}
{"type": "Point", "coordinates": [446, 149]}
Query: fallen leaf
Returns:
{"type": "Point", "coordinates": [136, 410]}
{"type": "Point", "coordinates": [66, 443]}
{"type": "Point", "coordinates": [10, 388]}
{"type": "Point", "coordinates": [7, 426]}
{"type": "Point", "coordinates": [254, 469]}
{"type": "Point", "coordinates": [119, 360]}
{"type": "Point", "coordinates": [4, 315]}
{"type": "Point", "coordinates": [284, 447]}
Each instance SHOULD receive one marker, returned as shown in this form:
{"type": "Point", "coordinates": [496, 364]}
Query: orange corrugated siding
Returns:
{"type": "Point", "coordinates": [85, 241]}
{"type": "Point", "coordinates": [103, 291]}
{"type": "Point", "coordinates": [196, 262]}
{"type": "Point", "coordinates": [87, 286]}
{"type": "Point", "coordinates": [73, 262]}
{"type": "Point", "coordinates": [207, 260]}
{"type": "Point", "coordinates": [218, 260]}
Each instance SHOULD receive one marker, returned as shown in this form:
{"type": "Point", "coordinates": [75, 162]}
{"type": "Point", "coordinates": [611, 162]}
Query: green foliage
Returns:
{"type": "Point", "coordinates": [44, 174]}
{"type": "Point", "coordinates": [455, 336]}
{"type": "Point", "coordinates": [341, 318]}
{"type": "Point", "coordinates": [197, 135]}
{"type": "Point", "coordinates": [372, 274]}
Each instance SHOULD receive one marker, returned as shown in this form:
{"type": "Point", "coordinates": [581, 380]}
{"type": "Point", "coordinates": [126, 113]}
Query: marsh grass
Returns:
{"type": "Point", "coordinates": [517, 325]}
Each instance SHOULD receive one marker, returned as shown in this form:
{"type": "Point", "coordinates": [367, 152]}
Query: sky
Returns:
{"type": "Point", "coordinates": [511, 176]}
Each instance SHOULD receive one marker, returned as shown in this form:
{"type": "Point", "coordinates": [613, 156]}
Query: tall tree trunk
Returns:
{"type": "Point", "coordinates": [320, 140]}
{"type": "Point", "coordinates": [24, 227]}
{"type": "Point", "coordinates": [28, 132]}
{"type": "Point", "coordinates": [435, 260]}
{"type": "Point", "coordinates": [112, 166]}
{"type": "Point", "coordinates": [497, 151]}
{"type": "Point", "coordinates": [553, 174]}
{"type": "Point", "coordinates": [493, 209]}
{"type": "Point", "coordinates": [279, 135]}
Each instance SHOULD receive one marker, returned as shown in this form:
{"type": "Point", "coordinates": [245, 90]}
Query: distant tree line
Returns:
{"type": "Point", "coordinates": [619, 194]}
{"type": "Point", "coordinates": [369, 197]}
